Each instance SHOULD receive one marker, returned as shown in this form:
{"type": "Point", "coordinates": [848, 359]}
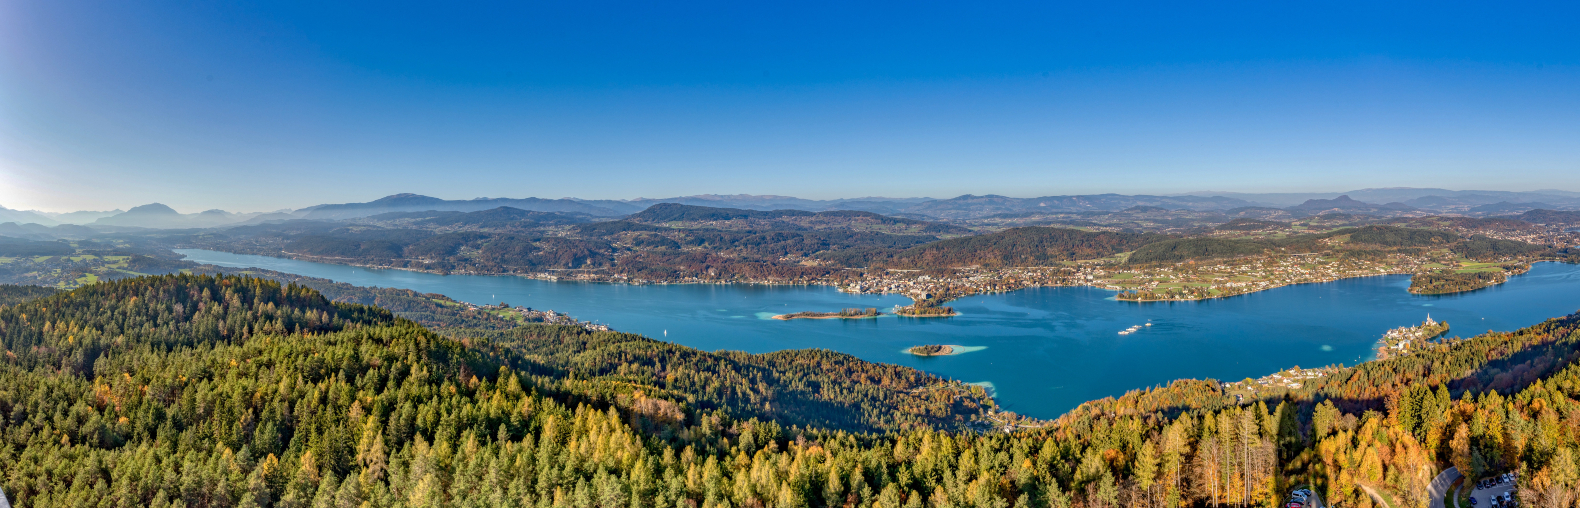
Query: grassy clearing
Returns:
{"type": "Point", "coordinates": [513, 316]}
{"type": "Point", "coordinates": [1471, 267]}
{"type": "Point", "coordinates": [1115, 259]}
{"type": "Point", "coordinates": [1448, 497]}
{"type": "Point", "coordinates": [1387, 497]}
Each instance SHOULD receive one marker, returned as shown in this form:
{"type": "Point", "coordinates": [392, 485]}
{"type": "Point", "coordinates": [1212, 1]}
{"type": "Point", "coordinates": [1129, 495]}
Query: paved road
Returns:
{"type": "Point", "coordinates": [1439, 486]}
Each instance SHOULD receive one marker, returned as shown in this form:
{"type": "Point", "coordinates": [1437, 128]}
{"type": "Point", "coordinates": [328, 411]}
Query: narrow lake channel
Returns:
{"type": "Point", "coordinates": [1043, 350]}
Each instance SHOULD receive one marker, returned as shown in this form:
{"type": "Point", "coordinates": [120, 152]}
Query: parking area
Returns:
{"type": "Point", "coordinates": [1303, 497]}
{"type": "Point", "coordinates": [1494, 489]}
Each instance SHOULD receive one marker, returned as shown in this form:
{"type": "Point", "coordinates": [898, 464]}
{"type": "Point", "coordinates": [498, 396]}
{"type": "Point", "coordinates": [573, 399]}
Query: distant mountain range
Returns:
{"type": "Point", "coordinates": [1386, 201]}
{"type": "Point", "coordinates": [1427, 198]}
{"type": "Point", "coordinates": [81, 217]}
{"type": "Point", "coordinates": [1345, 204]}
{"type": "Point", "coordinates": [25, 217]}
{"type": "Point", "coordinates": [35, 231]}
{"type": "Point", "coordinates": [599, 208]}
{"type": "Point", "coordinates": [419, 203]}
{"type": "Point", "coordinates": [158, 216]}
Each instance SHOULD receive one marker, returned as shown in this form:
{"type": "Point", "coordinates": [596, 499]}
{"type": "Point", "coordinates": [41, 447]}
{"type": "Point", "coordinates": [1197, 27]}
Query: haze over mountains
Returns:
{"type": "Point", "coordinates": [1389, 201]}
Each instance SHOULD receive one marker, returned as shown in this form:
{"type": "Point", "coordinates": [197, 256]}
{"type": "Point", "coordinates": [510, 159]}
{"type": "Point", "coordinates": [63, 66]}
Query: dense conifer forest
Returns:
{"type": "Point", "coordinates": [12, 295]}
{"type": "Point", "coordinates": [226, 391]}
{"type": "Point", "coordinates": [1445, 282]}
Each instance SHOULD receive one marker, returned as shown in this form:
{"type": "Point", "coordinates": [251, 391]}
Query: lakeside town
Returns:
{"type": "Point", "coordinates": [1410, 339]}
{"type": "Point", "coordinates": [1175, 282]}
{"type": "Point", "coordinates": [1185, 280]}
{"type": "Point", "coordinates": [530, 315]}
{"type": "Point", "coordinates": [1178, 282]}
{"type": "Point", "coordinates": [1290, 379]}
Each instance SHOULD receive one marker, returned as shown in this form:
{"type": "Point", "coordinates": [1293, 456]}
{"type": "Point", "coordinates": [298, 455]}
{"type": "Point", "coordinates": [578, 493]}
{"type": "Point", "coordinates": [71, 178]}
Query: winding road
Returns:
{"type": "Point", "coordinates": [1440, 485]}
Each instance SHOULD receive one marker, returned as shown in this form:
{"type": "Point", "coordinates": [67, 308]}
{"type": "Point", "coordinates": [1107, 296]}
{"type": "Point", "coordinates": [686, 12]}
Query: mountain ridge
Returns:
{"type": "Point", "coordinates": [1392, 200]}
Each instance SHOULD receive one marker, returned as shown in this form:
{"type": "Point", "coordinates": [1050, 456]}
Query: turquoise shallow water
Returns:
{"type": "Point", "coordinates": [1042, 350]}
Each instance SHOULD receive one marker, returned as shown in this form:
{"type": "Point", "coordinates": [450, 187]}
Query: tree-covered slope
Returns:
{"type": "Point", "coordinates": [673, 212]}
{"type": "Point", "coordinates": [204, 392]}
{"type": "Point", "coordinates": [242, 392]}
{"type": "Point", "coordinates": [816, 387]}
{"type": "Point", "coordinates": [1027, 246]}
{"type": "Point", "coordinates": [12, 295]}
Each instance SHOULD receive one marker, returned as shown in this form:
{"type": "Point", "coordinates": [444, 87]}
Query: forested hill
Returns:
{"type": "Point", "coordinates": [1542, 216]}
{"type": "Point", "coordinates": [503, 218]}
{"type": "Point", "coordinates": [1027, 246]}
{"type": "Point", "coordinates": [1365, 241]}
{"type": "Point", "coordinates": [12, 295]}
{"type": "Point", "coordinates": [798, 387]}
{"type": "Point", "coordinates": [811, 387]}
{"type": "Point", "coordinates": [207, 392]}
{"type": "Point", "coordinates": [676, 214]}
{"type": "Point", "coordinates": [672, 212]}
{"type": "Point", "coordinates": [119, 377]}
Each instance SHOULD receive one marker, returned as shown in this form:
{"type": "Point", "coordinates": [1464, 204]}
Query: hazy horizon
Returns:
{"type": "Point", "coordinates": [191, 210]}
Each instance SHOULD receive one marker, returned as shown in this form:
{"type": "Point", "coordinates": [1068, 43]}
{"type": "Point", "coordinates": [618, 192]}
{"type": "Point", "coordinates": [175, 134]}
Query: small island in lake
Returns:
{"type": "Point", "coordinates": [927, 305]}
{"type": "Point", "coordinates": [925, 311]}
{"type": "Point", "coordinates": [869, 312]}
{"type": "Point", "coordinates": [932, 350]}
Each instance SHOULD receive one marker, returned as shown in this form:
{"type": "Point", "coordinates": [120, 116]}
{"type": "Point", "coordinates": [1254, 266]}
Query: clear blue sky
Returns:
{"type": "Point", "coordinates": [285, 103]}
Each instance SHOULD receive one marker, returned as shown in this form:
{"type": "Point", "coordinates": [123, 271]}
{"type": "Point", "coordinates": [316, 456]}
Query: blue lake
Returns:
{"type": "Point", "coordinates": [1043, 350]}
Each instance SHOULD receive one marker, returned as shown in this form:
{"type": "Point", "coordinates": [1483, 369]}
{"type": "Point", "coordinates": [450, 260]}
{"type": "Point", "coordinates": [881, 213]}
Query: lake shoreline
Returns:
{"type": "Point", "coordinates": [1048, 350]}
{"type": "Point", "coordinates": [613, 279]}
